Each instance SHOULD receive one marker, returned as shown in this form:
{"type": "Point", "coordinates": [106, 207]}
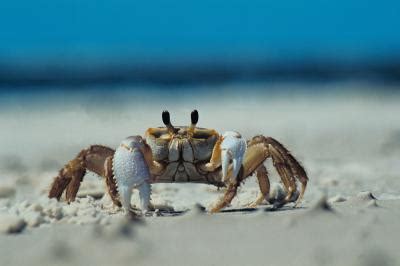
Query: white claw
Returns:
{"type": "Point", "coordinates": [233, 148]}
{"type": "Point", "coordinates": [131, 171]}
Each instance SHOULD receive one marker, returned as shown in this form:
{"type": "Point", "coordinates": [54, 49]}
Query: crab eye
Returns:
{"type": "Point", "coordinates": [166, 118]}
{"type": "Point", "coordinates": [194, 116]}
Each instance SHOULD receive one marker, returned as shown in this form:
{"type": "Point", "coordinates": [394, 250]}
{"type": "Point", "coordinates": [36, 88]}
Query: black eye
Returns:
{"type": "Point", "coordinates": [194, 116]}
{"type": "Point", "coordinates": [166, 118]}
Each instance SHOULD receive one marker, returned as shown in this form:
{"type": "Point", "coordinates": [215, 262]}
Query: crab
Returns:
{"type": "Point", "coordinates": [178, 154]}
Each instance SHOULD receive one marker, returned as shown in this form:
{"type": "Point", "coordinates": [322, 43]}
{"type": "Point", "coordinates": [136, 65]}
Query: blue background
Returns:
{"type": "Point", "coordinates": [76, 31]}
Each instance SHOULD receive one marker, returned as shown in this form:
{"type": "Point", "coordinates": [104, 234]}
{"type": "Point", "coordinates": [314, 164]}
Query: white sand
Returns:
{"type": "Point", "coordinates": [348, 144]}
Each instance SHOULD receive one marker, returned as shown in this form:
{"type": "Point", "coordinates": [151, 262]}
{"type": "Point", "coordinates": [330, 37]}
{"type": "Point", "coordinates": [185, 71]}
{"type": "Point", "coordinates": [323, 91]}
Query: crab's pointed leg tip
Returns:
{"type": "Point", "coordinates": [199, 208]}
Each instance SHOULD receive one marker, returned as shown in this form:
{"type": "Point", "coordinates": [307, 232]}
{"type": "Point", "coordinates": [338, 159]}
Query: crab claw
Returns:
{"type": "Point", "coordinates": [131, 171]}
{"type": "Point", "coordinates": [233, 147]}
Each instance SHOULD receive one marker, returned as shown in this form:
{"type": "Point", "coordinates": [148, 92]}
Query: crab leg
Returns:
{"type": "Point", "coordinates": [230, 193]}
{"type": "Point", "coordinates": [97, 159]}
{"type": "Point", "coordinates": [286, 165]}
{"type": "Point", "coordinates": [110, 181]}
{"type": "Point", "coordinates": [259, 149]}
{"type": "Point", "coordinates": [263, 182]}
{"type": "Point", "coordinates": [69, 178]}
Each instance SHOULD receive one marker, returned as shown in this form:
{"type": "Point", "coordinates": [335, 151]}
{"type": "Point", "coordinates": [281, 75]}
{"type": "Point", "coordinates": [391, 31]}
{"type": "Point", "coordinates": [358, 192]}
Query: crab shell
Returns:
{"type": "Point", "coordinates": [182, 154]}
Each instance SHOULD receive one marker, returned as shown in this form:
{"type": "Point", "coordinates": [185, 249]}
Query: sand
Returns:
{"type": "Point", "coordinates": [349, 143]}
{"type": "Point", "coordinates": [343, 234]}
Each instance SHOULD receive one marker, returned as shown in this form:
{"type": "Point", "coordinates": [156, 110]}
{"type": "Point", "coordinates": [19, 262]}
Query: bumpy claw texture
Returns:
{"type": "Point", "coordinates": [131, 171]}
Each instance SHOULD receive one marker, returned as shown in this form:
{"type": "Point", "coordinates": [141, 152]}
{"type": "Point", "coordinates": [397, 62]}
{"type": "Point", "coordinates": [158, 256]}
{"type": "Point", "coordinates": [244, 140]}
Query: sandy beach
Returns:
{"type": "Point", "coordinates": [348, 141]}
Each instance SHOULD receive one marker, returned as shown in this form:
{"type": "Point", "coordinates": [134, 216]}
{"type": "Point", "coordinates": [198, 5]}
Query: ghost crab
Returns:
{"type": "Point", "coordinates": [188, 154]}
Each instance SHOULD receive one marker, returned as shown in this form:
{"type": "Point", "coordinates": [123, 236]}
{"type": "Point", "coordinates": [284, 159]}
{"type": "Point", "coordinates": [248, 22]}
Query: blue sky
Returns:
{"type": "Point", "coordinates": [201, 30]}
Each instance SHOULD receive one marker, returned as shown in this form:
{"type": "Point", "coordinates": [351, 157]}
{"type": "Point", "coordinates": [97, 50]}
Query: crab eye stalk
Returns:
{"type": "Point", "coordinates": [167, 122]}
{"type": "Point", "coordinates": [166, 118]}
{"type": "Point", "coordinates": [194, 116]}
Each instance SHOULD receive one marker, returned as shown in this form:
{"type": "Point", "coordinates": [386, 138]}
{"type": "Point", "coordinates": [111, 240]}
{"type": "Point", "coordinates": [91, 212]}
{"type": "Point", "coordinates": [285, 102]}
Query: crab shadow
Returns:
{"type": "Point", "coordinates": [263, 208]}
